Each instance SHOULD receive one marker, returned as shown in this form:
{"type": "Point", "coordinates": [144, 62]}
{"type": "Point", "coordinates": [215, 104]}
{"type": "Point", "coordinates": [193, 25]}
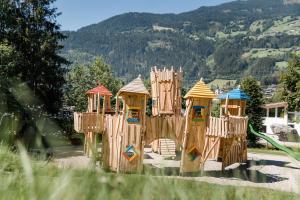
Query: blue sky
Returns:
{"type": "Point", "coordinates": [78, 13]}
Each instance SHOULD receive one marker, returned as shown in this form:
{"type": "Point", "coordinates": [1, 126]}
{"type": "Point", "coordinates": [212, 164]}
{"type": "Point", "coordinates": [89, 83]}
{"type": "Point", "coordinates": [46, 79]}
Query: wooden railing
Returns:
{"type": "Point", "coordinates": [88, 122]}
{"type": "Point", "coordinates": [227, 126]}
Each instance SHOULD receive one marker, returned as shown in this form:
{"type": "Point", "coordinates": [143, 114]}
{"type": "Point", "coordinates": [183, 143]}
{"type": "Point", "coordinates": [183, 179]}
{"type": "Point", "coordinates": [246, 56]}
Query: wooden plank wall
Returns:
{"type": "Point", "coordinates": [88, 122]}
{"type": "Point", "coordinates": [195, 138]}
{"type": "Point", "coordinates": [227, 126]}
{"type": "Point", "coordinates": [78, 122]}
{"type": "Point", "coordinates": [166, 88]}
{"type": "Point", "coordinates": [215, 149]}
{"type": "Point", "coordinates": [234, 152]}
{"type": "Point", "coordinates": [120, 134]}
{"type": "Point", "coordinates": [170, 127]}
{"type": "Point", "coordinates": [111, 141]}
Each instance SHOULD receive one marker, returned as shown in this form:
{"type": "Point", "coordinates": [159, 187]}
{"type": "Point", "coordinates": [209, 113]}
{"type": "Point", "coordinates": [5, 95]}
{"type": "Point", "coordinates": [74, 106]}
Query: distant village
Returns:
{"type": "Point", "coordinates": [220, 86]}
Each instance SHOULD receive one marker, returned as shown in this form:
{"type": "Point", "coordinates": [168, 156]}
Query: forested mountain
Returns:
{"type": "Point", "coordinates": [253, 37]}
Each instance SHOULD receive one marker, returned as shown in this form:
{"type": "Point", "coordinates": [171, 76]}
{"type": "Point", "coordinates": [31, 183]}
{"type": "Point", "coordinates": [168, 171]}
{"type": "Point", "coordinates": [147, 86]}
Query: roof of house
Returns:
{"type": "Point", "coordinates": [136, 86]}
{"type": "Point", "coordinates": [103, 91]}
{"type": "Point", "coordinates": [200, 90]}
{"type": "Point", "coordinates": [235, 94]}
{"type": "Point", "coordinates": [275, 105]}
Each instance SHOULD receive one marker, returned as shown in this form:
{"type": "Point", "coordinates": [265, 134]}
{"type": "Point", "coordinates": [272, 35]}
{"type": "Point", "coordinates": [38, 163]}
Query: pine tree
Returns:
{"type": "Point", "coordinates": [290, 81]}
{"type": "Point", "coordinates": [253, 108]}
{"type": "Point", "coordinates": [30, 27]}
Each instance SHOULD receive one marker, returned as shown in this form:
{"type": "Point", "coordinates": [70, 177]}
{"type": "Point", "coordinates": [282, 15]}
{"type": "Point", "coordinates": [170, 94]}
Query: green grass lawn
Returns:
{"type": "Point", "coordinates": [25, 179]}
{"type": "Point", "coordinates": [266, 151]}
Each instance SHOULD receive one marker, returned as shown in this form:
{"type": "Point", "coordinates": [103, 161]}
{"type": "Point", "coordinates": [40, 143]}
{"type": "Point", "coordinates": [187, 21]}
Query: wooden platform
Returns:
{"type": "Point", "coordinates": [227, 126]}
{"type": "Point", "coordinates": [88, 122]}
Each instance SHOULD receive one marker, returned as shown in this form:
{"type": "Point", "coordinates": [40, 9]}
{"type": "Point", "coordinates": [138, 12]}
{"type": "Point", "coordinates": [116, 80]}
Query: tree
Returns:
{"type": "Point", "coordinates": [253, 108]}
{"type": "Point", "coordinates": [83, 77]}
{"type": "Point", "coordinates": [31, 70]}
{"type": "Point", "coordinates": [290, 81]}
{"type": "Point", "coordinates": [31, 29]}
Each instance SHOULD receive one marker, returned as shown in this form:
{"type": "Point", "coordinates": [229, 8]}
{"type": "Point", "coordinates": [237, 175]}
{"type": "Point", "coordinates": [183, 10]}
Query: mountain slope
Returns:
{"type": "Point", "coordinates": [210, 42]}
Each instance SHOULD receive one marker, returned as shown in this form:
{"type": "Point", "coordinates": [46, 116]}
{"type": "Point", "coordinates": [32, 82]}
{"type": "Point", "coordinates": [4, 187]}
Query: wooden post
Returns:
{"type": "Point", "coordinates": [240, 109]}
{"type": "Point", "coordinates": [94, 102]}
{"type": "Point", "coordinates": [185, 135]}
{"type": "Point", "coordinates": [226, 104]}
{"type": "Point", "coordinates": [157, 95]}
{"type": "Point", "coordinates": [117, 104]}
{"type": "Point", "coordinates": [98, 104]}
{"type": "Point", "coordinates": [104, 106]}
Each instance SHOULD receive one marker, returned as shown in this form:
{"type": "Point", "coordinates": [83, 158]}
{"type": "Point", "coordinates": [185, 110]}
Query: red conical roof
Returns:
{"type": "Point", "coordinates": [103, 91]}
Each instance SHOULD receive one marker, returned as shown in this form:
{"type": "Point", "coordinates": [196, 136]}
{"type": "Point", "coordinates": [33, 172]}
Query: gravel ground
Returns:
{"type": "Point", "coordinates": [261, 170]}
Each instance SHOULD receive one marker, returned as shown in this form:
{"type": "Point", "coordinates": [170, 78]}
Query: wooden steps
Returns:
{"type": "Point", "coordinates": [167, 147]}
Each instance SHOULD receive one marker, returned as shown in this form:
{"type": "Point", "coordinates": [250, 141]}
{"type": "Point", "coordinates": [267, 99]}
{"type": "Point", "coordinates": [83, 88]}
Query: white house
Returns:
{"type": "Point", "coordinates": [276, 113]}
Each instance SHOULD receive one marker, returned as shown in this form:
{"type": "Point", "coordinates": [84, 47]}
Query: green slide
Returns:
{"type": "Point", "coordinates": [287, 150]}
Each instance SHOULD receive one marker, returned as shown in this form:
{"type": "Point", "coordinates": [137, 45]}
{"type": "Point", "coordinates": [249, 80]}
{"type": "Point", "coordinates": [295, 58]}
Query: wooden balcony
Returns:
{"type": "Point", "coordinates": [88, 122]}
{"type": "Point", "coordinates": [227, 126]}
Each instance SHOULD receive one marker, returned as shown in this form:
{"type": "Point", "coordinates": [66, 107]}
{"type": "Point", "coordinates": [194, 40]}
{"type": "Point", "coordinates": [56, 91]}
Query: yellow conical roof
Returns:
{"type": "Point", "coordinates": [200, 90]}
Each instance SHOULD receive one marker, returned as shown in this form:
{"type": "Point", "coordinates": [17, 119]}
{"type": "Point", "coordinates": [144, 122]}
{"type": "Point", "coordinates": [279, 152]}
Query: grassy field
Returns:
{"type": "Point", "coordinates": [25, 179]}
{"type": "Point", "coordinates": [222, 83]}
{"type": "Point", "coordinates": [266, 151]}
{"type": "Point", "coordinates": [288, 25]}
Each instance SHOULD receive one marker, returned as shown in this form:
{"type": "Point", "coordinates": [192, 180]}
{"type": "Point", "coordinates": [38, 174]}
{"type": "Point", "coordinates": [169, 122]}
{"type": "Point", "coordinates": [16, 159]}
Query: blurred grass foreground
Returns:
{"type": "Point", "coordinates": [25, 178]}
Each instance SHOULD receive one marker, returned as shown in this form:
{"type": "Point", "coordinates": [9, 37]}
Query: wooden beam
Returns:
{"type": "Point", "coordinates": [185, 135]}
{"type": "Point", "coordinates": [211, 148]}
{"type": "Point", "coordinates": [226, 104]}
{"type": "Point", "coordinates": [98, 104]}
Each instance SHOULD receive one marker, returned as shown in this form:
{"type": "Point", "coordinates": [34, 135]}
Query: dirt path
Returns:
{"type": "Point", "coordinates": [262, 170]}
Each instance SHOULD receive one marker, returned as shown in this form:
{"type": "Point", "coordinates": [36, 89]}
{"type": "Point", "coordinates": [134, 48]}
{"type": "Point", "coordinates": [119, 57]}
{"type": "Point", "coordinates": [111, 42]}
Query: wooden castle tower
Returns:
{"type": "Point", "coordinates": [198, 104]}
{"type": "Point", "coordinates": [92, 121]}
{"type": "Point", "coordinates": [233, 148]}
{"type": "Point", "coordinates": [166, 86]}
{"type": "Point", "coordinates": [123, 143]}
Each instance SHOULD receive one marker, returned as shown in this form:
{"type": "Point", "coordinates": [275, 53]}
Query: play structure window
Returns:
{"type": "Point", "coordinates": [133, 115]}
{"type": "Point", "coordinates": [198, 114]}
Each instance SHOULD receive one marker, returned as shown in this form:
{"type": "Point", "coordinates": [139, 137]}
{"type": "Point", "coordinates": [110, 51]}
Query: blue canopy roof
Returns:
{"type": "Point", "coordinates": [235, 94]}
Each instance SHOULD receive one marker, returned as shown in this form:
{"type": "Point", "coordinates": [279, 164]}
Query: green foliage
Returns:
{"type": "Point", "coordinates": [10, 59]}
{"type": "Point", "coordinates": [290, 81]}
{"type": "Point", "coordinates": [84, 77]}
{"type": "Point", "coordinates": [227, 59]}
{"type": "Point", "coordinates": [215, 111]}
{"type": "Point", "coordinates": [257, 70]}
{"type": "Point", "coordinates": [253, 108]}
{"type": "Point", "coordinates": [147, 83]}
{"type": "Point", "coordinates": [29, 28]}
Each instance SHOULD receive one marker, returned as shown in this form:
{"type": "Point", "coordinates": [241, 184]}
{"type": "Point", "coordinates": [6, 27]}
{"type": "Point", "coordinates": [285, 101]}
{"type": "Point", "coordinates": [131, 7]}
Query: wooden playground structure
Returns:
{"type": "Point", "coordinates": [127, 129]}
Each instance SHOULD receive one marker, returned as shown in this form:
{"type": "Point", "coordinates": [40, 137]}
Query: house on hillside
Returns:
{"type": "Point", "coordinates": [269, 91]}
{"type": "Point", "coordinates": [277, 115]}
{"type": "Point", "coordinates": [222, 85]}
